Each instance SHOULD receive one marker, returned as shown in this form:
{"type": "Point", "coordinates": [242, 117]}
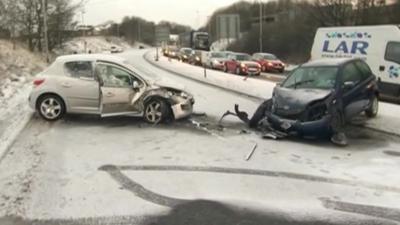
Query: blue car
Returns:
{"type": "Point", "coordinates": [319, 97]}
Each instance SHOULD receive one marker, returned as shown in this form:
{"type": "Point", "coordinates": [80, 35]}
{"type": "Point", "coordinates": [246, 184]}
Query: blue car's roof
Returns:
{"type": "Point", "coordinates": [328, 62]}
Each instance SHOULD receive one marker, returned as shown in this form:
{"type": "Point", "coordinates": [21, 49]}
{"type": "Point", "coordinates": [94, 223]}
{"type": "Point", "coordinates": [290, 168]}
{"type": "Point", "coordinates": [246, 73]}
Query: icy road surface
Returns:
{"type": "Point", "coordinates": [86, 170]}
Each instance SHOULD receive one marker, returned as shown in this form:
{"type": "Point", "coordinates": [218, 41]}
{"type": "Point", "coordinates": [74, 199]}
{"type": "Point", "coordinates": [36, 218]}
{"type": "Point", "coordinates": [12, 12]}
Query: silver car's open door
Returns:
{"type": "Point", "coordinates": [118, 96]}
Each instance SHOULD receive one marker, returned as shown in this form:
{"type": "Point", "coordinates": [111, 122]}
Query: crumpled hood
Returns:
{"type": "Point", "coordinates": [294, 101]}
{"type": "Point", "coordinates": [249, 63]}
{"type": "Point", "coordinates": [166, 84]}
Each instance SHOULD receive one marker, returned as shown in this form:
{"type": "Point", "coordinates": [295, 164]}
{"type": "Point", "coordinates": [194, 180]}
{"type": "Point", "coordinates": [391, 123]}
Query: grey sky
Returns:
{"type": "Point", "coordinates": [189, 12]}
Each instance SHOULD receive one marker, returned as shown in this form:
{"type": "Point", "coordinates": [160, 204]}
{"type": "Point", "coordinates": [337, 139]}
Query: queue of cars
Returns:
{"type": "Point", "coordinates": [227, 61]}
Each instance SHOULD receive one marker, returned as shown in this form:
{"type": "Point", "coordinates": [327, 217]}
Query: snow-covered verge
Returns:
{"type": "Point", "coordinates": [17, 68]}
{"type": "Point", "coordinates": [388, 119]}
{"type": "Point", "coordinates": [222, 44]}
{"type": "Point", "coordinates": [95, 44]}
{"type": "Point", "coordinates": [252, 87]}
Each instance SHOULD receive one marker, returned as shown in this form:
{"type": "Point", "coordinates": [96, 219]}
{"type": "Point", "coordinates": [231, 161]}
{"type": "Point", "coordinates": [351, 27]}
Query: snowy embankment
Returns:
{"type": "Point", "coordinates": [17, 68]}
{"type": "Point", "coordinates": [255, 88]}
{"type": "Point", "coordinates": [388, 120]}
{"type": "Point", "coordinates": [95, 44]}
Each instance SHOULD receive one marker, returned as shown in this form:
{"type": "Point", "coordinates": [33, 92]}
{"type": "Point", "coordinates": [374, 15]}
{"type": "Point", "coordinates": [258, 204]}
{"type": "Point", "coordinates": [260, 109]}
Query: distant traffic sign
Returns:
{"type": "Point", "coordinates": [162, 34]}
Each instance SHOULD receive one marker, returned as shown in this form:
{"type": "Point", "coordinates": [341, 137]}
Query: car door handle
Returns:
{"type": "Point", "coordinates": [381, 68]}
{"type": "Point", "coordinates": [110, 94]}
{"type": "Point", "coordinates": [66, 85]}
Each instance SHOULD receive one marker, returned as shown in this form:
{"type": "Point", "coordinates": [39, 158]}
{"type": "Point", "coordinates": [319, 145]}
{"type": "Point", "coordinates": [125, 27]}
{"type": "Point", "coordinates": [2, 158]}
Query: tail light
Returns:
{"type": "Point", "coordinates": [38, 82]}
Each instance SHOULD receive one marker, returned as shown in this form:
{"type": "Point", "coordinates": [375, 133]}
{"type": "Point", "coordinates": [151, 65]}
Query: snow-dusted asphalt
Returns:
{"type": "Point", "coordinates": [86, 170]}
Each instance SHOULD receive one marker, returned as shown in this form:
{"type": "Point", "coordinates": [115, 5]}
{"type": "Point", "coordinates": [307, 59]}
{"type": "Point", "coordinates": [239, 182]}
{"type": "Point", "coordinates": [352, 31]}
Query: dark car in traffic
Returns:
{"type": "Point", "coordinates": [171, 52]}
{"type": "Point", "coordinates": [184, 54]}
{"type": "Point", "coordinates": [196, 58]}
{"type": "Point", "coordinates": [319, 97]}
{"type": "Point", "coordinates": [241, 64]}
{"type": "Point", "coordinates": [269, 62]}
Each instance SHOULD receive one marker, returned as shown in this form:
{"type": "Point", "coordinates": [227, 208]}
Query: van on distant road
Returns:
{"type": "Point", "coordinates": [379, 46]}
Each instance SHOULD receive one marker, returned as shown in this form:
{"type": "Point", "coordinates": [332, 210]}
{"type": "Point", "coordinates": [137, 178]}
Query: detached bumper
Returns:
{"type": "Point", "coordinates": [315, 128]}
{"type": "Point", "coordinates": [183, 109]}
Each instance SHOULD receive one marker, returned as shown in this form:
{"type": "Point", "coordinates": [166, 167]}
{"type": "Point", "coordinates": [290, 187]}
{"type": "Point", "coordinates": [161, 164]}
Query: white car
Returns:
{"type": "Point", "coordinates": [115, 49]}
{"type": "Point", "coordinates": [104, 85]}
{"type": "Point", "coordinates": [378, 45]}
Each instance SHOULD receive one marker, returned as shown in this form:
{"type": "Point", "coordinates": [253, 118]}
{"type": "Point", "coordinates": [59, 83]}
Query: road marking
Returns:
{"type": "Point", "coordinates": [140, 191]}
{"type": "Point", "coordinates": [367, 210]}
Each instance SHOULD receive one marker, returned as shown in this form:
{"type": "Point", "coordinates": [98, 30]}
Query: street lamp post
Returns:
{"type": "Point", "coordinates": [46, 38]}
{"type": "Point", "coordinates": [261, 26]}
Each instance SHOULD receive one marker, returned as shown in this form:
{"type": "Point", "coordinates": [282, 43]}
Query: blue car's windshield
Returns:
{"type": "Point", "coordinates": [312, 78]}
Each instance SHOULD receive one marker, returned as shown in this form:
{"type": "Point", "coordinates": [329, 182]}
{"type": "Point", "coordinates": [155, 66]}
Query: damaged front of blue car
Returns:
{"type": "Point", "coordinates": [303, 112]}
{"type": "Point", "coordinates": [307, 103]}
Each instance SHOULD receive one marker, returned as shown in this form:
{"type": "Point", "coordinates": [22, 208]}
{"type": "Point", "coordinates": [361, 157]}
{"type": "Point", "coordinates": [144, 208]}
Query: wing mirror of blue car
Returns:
{"type": "Point", "coordinates": [348, 85]}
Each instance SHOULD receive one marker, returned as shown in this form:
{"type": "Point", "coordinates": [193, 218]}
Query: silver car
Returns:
{"type": "Point", "coordinates": [104, 85]}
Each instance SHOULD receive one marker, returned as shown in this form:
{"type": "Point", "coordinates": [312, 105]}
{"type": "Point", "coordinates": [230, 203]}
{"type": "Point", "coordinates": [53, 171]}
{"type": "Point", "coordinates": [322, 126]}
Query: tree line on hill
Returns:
{"type": "Point", "coordinates": [291, 25]}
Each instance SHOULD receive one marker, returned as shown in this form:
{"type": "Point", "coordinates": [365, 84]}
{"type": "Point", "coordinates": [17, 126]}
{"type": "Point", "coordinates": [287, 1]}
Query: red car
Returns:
{"type": "Point", "coordinates": [242, 64]}
{"type": "Point", "coordinates": [269, 62]}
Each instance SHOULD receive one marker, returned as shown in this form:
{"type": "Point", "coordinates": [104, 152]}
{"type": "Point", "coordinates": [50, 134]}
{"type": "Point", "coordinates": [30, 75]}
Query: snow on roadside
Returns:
{"type": "Point", "coordinates": [256, 88]}
{"type": "Point", "coordinates": [17, 68]}
{"type": "Point", "coordinates": [94, 44]}
{"type": "Point", "coordinates": [222, 44]}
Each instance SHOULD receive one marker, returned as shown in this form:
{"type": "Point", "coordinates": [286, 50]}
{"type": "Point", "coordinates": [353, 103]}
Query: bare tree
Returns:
{"type": "Point", "coordinates": [368, 12]}
{"type": "Point", "coordinates": [333, 12]}
{"type": "Point", "coordinates": [29, 20]}
{"type": "Point", "coordinates": [10, 20]}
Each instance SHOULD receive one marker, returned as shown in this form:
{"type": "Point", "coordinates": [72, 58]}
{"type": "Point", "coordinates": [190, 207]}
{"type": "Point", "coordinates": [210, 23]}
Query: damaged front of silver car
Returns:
{"type": "Point", "coordinates": [180, 102]}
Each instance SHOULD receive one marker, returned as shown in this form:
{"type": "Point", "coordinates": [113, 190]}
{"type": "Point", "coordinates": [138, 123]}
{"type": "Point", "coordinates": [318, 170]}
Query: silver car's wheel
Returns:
{"type": "Point", "coordinates": [155, 111]}
{"type": "Point", "coordinates": [51, 107]}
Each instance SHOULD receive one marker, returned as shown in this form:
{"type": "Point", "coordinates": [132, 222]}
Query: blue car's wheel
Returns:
{"type": "Point", "coordinates": [373, 109]}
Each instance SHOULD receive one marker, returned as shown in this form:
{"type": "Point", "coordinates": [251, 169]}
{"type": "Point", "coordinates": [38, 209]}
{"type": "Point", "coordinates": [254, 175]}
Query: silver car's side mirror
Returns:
{"type": "Point", "coordinates": [135, 85]}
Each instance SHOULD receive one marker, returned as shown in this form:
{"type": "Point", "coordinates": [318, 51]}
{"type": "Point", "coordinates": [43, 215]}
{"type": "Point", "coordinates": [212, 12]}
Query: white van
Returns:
{"type": "Point", "coordinates": [378, 45]}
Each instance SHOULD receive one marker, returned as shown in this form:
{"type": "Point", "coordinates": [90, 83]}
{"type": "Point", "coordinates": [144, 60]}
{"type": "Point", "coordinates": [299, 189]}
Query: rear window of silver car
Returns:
{"type": "Point", "coordinates": [79, 69]}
